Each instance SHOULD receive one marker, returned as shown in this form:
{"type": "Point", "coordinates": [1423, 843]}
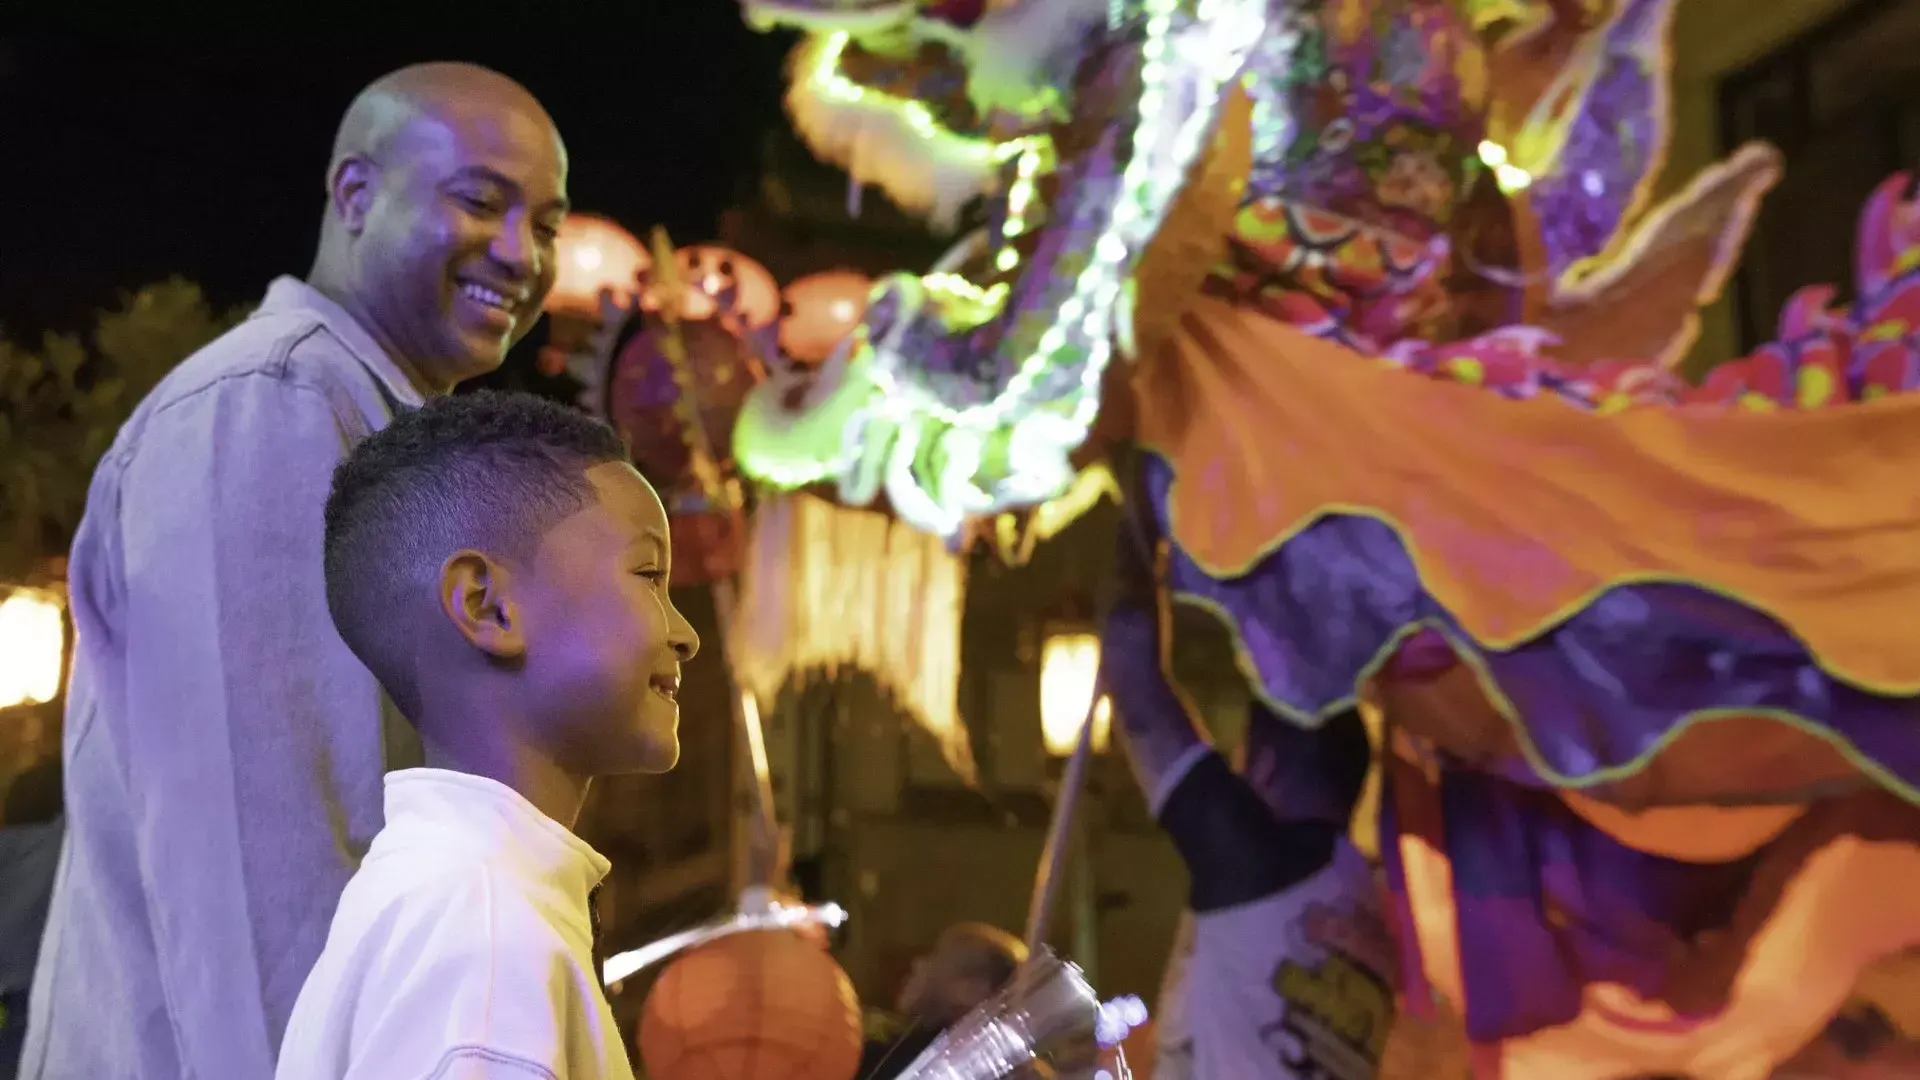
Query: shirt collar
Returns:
{"type": "Point", "coordinates": [288, 293]}
{"type": "Point", "coordinates": [437, 811]}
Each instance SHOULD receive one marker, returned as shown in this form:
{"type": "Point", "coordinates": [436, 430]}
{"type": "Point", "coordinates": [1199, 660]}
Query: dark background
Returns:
{"type": "Point", "coordinates": [194, 150]}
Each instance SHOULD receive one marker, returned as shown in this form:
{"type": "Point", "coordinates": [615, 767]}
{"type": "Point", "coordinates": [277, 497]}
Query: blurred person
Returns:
{"type": "Point", "coordinates": [224, 750]}
{"type": "Point", "coordinates": [502, 568]}
{"type": "Point", "coordinates": [30, 829]}
{"type": "Point", "coordinates": [1283, 967]}
{"type": "Point", "coordinates": [968, 964]}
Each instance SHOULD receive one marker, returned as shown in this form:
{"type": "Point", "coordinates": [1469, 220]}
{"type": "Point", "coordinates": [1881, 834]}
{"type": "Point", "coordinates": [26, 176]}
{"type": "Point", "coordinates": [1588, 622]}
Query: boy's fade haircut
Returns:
{"type": "Point", "coordinates": [488, 471]}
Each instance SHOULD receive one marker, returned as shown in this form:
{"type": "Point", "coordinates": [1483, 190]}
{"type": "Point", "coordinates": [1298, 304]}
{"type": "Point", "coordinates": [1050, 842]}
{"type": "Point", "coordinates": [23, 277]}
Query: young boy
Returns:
{"type": "Point", "coordinates": [502, 569]}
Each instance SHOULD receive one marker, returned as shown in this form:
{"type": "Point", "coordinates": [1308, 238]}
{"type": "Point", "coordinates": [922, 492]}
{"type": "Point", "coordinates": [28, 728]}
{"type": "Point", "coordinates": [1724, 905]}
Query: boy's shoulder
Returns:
{"type": "Point", "coordinates": [467, 922]}
{"type": "Point", "coordinates": [454, 955]}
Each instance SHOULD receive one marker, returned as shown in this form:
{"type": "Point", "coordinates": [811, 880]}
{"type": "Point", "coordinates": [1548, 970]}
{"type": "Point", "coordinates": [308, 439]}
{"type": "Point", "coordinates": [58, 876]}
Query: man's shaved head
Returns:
{"type": "Point", "coordinates": [392, 103]}
{"type": "Point", "coordinates": [445, 188]}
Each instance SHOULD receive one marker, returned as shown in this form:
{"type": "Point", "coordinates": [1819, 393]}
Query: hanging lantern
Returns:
{"type": "Point", "coordinates": [820, 310]}
{"type": "Point", "coordinates": [767, 1005]}
{"type": "Point", "coordinates": [594, 254]}
{"type": "Point", "coordinates": [721, 281]}
{"type": "Point", "coordinates": [643, 397]}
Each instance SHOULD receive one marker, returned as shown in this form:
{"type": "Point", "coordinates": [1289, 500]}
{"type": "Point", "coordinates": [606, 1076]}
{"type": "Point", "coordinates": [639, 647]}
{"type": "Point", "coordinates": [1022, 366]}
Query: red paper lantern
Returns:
{"type": "Point", "coordinates": [706, 546]}
{"type": "Point", "coordinates": [592, 253]}
{"type": "Point", "coordinates": [721, 281]}
{"type": "Point", "coordinates": [643, 397]}
{"type": "Point", "coordinates": [1141, 1046]}
{"type": "Point", "coordinates": [765, 1005]}
{"type": "Point", "coordinates": [821, 310]}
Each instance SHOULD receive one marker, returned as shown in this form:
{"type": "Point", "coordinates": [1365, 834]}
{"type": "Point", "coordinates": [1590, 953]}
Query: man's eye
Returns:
{"type": "Point", "coordinates": [477, 204]}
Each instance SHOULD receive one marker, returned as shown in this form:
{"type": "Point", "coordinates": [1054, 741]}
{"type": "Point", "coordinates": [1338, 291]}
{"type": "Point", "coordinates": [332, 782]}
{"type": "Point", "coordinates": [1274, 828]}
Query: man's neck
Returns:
{"type": "Point", "coordinates": [328, 285]}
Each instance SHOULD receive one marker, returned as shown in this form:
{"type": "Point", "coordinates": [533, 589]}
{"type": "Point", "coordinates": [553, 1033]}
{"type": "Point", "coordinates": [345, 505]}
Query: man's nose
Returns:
{"type": "Point", "coordinates": [516, 247]}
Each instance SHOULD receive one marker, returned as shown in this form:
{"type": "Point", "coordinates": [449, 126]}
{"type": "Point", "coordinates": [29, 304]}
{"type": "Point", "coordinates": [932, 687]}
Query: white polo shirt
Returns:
{"type": "Point", "coordinates": [461, 950]}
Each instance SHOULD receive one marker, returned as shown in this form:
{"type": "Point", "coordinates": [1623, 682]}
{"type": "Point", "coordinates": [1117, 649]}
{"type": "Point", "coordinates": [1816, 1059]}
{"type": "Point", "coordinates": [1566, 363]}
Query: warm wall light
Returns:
{"type": "Point", "coordinates": [33, 647]}
{"type": "Point", "coordinates": [1069, 668]}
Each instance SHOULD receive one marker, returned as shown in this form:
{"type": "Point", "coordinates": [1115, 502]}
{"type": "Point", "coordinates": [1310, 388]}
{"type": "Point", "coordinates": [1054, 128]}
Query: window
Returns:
{"type": "Point", "coordinates": [1843, 105]}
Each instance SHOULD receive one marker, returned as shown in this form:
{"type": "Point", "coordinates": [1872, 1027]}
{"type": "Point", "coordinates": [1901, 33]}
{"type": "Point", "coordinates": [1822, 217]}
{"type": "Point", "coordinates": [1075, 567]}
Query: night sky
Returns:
{"type": "Point", "coordinates": [130, 159]}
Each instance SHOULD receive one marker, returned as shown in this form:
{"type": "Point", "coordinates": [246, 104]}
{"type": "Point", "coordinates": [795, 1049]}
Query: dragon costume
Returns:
{"type": "Point", "coordinates": [1379, 289]}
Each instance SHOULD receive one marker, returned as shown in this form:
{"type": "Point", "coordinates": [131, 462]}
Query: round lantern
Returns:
{"type": "Point", "coordinates": [643, 397]}
{"type": "Point", "coordinates": [721, 280]}
{"type": "Point", "coordinates": [820, 311]}
{"type": "Point", "coordinates": [592, 254]}
{"type": "Point", "coordinates": [765, 1005]}
{"type": "Point", "coordinates": [708, 544]}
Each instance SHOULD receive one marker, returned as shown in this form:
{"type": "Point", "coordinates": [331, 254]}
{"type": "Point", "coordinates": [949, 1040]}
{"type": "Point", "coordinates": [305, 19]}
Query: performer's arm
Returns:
{"type": "Point", "coordinates": [1162, 733]}
{"type": "Point", "coordinates": [254, 739]}
{"type": "Point", "coordinates": [1234, 846]}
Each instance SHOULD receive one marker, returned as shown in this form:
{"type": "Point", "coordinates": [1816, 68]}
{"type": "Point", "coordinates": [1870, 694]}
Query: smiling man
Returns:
{"type": "Point", "coordinates": [224, 750]}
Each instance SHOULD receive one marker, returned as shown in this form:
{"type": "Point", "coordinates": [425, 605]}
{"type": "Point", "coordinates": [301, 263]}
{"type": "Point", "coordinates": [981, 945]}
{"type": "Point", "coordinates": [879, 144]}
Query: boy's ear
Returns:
{"type": "Point", "coordinates": [475, 595]}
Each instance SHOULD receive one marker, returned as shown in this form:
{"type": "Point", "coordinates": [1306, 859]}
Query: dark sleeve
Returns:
{"type": "Point", "coordinates": [1235, 849]}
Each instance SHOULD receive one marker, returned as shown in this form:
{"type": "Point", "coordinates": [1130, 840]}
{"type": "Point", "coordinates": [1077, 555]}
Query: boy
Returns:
{"type": "Point", "coordinates": [502, 569]}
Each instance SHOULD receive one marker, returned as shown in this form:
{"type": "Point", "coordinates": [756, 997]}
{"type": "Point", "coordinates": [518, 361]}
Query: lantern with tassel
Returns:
{"type": "Point", "coordinates": [761, 1005]}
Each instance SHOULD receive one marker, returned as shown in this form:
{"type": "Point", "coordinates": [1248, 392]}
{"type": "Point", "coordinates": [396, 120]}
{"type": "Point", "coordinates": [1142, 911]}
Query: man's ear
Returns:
{"type": "Point", "coordinates": [475, 594]}
{"type": "Point", "coordinates": [350, 188]}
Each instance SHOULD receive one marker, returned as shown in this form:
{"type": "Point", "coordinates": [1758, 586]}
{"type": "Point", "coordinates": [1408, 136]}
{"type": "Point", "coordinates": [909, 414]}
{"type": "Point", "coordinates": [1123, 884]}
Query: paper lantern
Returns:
{"type": "Point", "coordinates": [706, 546]}
{"type": "Point", "coordinates": [592, 253]}
{"type": "Point", "coordinates": [643, 397]}
{"type": "Point", "coordinates": [721, 281]}
{"type": "Point", "coordinates": [820, 311]}
{"type": "Point", "coordinates": [764, 1005]}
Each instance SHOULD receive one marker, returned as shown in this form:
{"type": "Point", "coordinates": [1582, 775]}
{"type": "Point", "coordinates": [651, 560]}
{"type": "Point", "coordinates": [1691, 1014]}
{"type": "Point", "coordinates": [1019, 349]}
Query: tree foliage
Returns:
{"type": "Point", "coordinates": [62, 403]}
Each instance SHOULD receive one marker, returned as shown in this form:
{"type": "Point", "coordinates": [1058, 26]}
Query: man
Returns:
{"type": "Point", "coordinates": [966, 966]}
{"type": "Point", "coordinates": [224, 751]}
{"type": "Point", "coordinates": [1283, 968]}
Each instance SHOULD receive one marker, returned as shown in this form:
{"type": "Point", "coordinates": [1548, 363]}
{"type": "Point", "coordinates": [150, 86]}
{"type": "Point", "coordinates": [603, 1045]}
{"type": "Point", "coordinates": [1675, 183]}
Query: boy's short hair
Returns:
{"type": "Point", "coordinates": [488, 471]}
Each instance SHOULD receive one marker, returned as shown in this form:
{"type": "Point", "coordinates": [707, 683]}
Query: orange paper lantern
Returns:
{"type": "Point", "coordinates": [764, 1005]}
{"type": "Point", "coordinates": [591, 254]}
{"type": "Point", "coordinates": [718, 278]}
{"type": "Point", "coordinates": [820, 311]}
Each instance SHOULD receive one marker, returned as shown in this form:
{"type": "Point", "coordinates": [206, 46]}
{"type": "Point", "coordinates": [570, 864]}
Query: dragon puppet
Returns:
{"type": "Point", "coordinates": [1379, 291]}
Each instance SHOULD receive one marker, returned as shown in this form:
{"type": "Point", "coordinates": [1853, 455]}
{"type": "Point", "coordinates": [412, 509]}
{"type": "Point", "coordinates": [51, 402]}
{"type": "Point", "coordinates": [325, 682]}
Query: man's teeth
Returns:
{"type": "Point", "coordinates": [483, 295]}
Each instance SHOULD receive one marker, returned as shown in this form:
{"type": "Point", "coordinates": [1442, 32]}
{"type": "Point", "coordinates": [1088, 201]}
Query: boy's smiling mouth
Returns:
{"type": "Point", "coordinates": [667, 686]}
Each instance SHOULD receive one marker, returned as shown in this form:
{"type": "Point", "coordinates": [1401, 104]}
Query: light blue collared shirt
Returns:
{"type": "Point", "coordinates": [224, 750]}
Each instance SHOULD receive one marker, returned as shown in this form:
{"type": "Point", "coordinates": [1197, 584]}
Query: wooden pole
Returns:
{"type": "Point", "coordinates": [763, 841]}
{"type": "Point", "coordinates": [1054, 857]}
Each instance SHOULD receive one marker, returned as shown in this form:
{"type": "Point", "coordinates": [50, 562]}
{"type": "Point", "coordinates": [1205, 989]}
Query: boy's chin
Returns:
{"type": "Point", "coordinates": [651, 746]}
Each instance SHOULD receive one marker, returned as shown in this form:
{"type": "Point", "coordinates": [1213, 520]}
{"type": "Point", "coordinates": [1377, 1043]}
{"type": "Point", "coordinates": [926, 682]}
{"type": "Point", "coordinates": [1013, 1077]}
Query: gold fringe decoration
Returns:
{"type": "Point", "coordinates": [825, 587]}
